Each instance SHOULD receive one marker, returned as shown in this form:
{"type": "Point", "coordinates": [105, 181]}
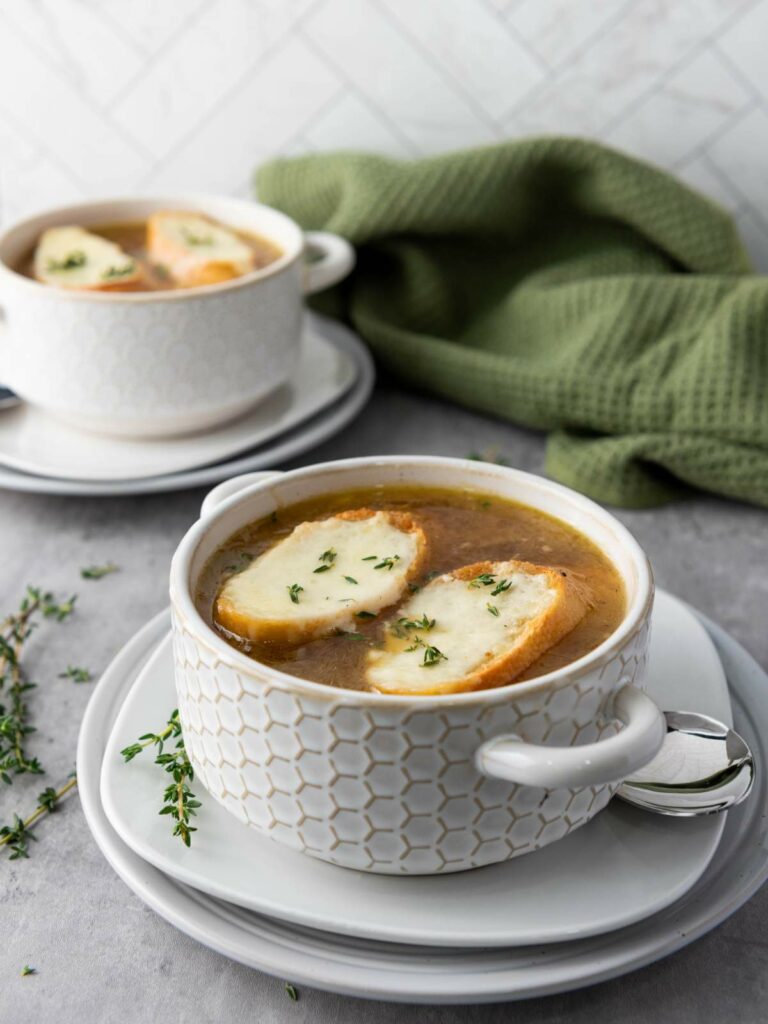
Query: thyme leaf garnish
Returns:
{"type": "Point", "coordinates": [293, 592]}
{"type": "Point", "coordinates": [112, 272]}
{"type": "Point", "coordinates": [193, 239]}
{"type": "Point", "coordinates": [72, 261]}
{"type": "Point", "coordinates": [485, 579]}
{"type": "Point", "coordinates": [26, 970]}
{"type": "Point", "coordinates": [292, 992]}
{"type": "Point", "coordinates": [386, 563]}
{"type": "Point", "coordinates": [327, 559]}
{"type": "Point", "coordinates": [422, 623]}
{"type": "Point", "coordinates": [349, 633]}
{"type": "Point", "coordinates": [76, 674]}
{"type": "Point", "coordinates": [96, 572]}
{"type": "Point", "coordinates": [351, 579]}
{"type": "Point", "coordinates": [369, 558]}
{"type": "Point", "coordinates": [493, 609]}
{"type": "Point", "coordinates": [431, 657]}
{"type": "Point", "coordinates": [432, 654]}
{"type": "Point", "coordinates": [365, 615]}
{"type": "Point", "coordinates": [500, 587]}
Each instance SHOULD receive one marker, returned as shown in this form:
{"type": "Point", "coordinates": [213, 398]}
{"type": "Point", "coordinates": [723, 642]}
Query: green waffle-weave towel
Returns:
{"type": "Point", "coordinates": [566, 287]}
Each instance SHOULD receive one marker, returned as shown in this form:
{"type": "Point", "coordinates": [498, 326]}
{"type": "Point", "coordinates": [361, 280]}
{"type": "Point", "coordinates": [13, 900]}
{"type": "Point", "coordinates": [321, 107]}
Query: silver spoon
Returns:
{"type": "Point", "coordinates": [703, 767]}
{"type": "Point", "coordinates": [7, 398]}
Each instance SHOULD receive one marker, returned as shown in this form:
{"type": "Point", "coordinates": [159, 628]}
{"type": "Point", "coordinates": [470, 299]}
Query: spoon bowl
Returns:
{"type": "Point", "coordinates": [703, 767]}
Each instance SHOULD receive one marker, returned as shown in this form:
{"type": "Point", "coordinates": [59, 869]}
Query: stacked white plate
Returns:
{"type": "Point", "coordinates": [331, 384]}
{"type": "Point", "coordinates": [626, 889]}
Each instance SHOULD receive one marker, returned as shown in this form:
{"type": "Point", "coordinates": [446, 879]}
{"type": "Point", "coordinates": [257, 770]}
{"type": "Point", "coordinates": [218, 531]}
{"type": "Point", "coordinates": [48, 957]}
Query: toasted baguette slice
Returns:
{"type": "Point", "coordinates": [365, 560]}
{"type": "Point", "coordinates": [196, 251]}
{"type": "Point", "coordinates": [71, 257]}
{"type": "Point", "coordinates": [477, 627]}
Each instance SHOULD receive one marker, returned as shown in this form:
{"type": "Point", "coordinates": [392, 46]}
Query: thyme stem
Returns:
{"type": "Point", "coordinates": [18, 834]}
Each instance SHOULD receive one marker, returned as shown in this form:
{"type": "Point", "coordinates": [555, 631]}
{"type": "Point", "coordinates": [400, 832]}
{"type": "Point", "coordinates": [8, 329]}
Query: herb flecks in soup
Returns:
{"type": "Point", "coordinates": [502, 592]}
{"type": "Point", "coordinates": [167, 251]}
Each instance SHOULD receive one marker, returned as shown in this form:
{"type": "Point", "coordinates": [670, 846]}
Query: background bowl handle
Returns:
{"type": "Point", "coordinates": [331, 259]}
{"type": "Point", "coordinates": [594, 764]}
{"type": "Point", "coordinates": [225, 490]}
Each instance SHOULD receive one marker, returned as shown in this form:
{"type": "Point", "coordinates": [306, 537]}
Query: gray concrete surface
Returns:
{"type": "Point", "coordinates": [102, 956]}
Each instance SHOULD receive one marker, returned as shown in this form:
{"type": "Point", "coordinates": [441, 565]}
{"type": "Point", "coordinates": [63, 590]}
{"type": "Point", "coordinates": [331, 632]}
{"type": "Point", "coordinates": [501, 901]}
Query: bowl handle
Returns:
{"type": "Point", "coordinates": [331, 258]}
{"type": "Point", "coordinates": [530, 764]}
{"type": "Point", "coordinates": [225, 490]}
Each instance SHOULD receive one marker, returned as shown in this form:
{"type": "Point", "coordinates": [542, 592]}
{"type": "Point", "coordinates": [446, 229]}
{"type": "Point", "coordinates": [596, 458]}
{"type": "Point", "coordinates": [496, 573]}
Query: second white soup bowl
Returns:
{"type": "Point", "coordinates": [160, 363]}
{"type": "Point", "coordinates": [411, 785]}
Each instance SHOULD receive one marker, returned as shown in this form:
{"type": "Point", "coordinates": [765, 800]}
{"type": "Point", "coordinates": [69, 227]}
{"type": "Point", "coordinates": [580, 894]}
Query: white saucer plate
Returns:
{"type": "Point", "coordinates": [402, 973]}
{"type": "Point", "coordinates": [620, 868]}
{"type": "Point", "coordinates": [295, 442]}
{"type": "Point", "coordinates": [34, 442]}
{"type": "Point", "coordinates": [406, 973]}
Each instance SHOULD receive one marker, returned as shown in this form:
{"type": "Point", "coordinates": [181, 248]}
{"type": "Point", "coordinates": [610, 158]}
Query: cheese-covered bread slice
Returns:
{"type": "Point", "coordinates": [477, 627]}
{"type": "Point", "coordinates": [71, 257]}
{"type": "Point", "coordinates": [194, 250]}
{"type": "Point", "coordinates": [319, 577]}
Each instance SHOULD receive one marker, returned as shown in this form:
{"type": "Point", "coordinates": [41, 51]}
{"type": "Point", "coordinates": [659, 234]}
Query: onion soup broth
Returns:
{"type": "Point", "coordinates": [462, 527]}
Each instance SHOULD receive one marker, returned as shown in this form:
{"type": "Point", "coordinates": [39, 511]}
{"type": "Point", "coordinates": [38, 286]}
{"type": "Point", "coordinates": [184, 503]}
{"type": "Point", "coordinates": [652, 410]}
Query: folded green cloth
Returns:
{"type": "Point", "coordinates": [563, 286]}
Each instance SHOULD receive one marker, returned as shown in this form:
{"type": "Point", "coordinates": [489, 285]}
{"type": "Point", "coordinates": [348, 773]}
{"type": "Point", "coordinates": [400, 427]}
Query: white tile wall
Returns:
{"type": "Point", "coordinates": [104, 96]}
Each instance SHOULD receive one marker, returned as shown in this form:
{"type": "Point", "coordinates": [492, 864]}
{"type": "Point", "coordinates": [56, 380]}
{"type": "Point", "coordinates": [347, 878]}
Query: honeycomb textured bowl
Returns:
{"type": "Point", "coordinates": [391, 784]}
{"type": "Point", "coordinates": [391, 789]}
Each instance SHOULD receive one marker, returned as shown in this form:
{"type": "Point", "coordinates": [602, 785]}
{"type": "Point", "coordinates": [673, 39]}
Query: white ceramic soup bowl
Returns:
{"type": "Point", "coordinates": [411, 785]}
{"type": "Point", "coordinates": [153, 364]}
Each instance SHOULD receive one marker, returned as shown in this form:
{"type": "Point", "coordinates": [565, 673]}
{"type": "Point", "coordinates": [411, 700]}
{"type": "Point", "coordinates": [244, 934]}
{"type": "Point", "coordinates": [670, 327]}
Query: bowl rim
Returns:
{"type": "Point", "coordinates": [39, 221]}
{"type": "Point", "coordinates": [183, 605]}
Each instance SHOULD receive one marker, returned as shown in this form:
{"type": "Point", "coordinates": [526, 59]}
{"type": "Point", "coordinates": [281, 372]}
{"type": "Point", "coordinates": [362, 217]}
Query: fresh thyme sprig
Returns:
{"type": "Point", "coordinates": [18, 835]}
{"type": "Point", "coordinates": [293, 592]}
{"type": "Point", "coordinates": [178, 799]}
{"type": "Point", "coordinates": [14, 715]}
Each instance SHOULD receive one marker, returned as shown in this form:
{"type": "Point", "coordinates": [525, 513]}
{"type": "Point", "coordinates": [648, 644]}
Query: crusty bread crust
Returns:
{"type": "Point", "coordinates": [541, 633]}
{"type": "Point", "coordinates": [292, 631]}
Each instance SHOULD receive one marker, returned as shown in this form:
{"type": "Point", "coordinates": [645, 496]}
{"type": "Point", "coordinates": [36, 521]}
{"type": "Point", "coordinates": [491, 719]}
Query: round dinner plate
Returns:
{"type": "Point", "coordinates": [334, 382]}
{"type": "Point", "coordinates": [621, 867]}
{"type": "Point", "coordinates": [408, 973]}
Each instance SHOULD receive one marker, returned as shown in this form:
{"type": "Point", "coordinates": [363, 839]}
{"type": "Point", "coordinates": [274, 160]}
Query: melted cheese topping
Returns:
{"type": "Point", "coordinates": [472, 626]}
{"type": "Point", "coordinates": [321, 575]}
{"type": "Point", "coordinates": [72, 257]}
{"type": "Point", "coordinates": [186, 242]}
